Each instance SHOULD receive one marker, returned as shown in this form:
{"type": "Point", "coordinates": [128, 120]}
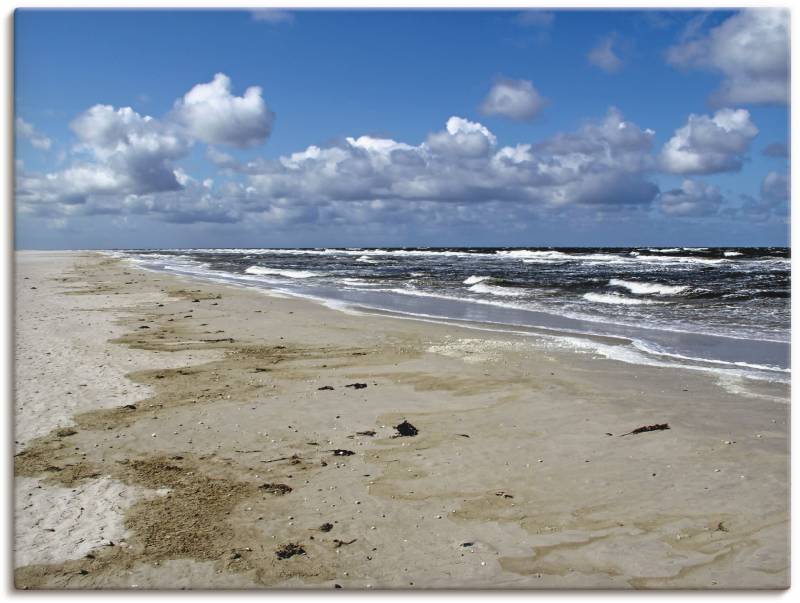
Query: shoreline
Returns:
{"type": "Point", "coordinates": [543, 496]}
{"type": "Point", "coordinates": [764, 357]}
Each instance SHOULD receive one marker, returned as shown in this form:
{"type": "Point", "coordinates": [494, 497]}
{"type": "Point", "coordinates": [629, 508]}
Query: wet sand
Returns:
{"type": "Point", "coordinates": [173, 433]}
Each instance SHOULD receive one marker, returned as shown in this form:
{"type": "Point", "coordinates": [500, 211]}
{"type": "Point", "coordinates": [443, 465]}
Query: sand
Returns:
{"type": "Point", "coordinates": [158, 420]}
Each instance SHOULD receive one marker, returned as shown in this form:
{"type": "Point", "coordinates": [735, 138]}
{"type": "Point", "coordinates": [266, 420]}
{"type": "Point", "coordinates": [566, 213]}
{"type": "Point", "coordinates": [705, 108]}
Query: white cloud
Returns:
{"type": "Point", "coordinates": [693, 199]}
{"type": "Point", "coordinates": [125, 163]}
{"type": "Point", "coordinates": [36, 138]}
{"type": "Point", "coordinates": [462, 137]}
{"type": "Point", "coordinates": [604, 57]}
{"type": "Point", "coordinates": [515, 99]}
{"type": "Point", "coordinates": [212, 114]}
{"type": "Point", "coordinates": [603, 163]}
{"type": "Point", "coordinates": [710, 144]}
{"type": "Point", "coordinates": [121, 156]}
{"type": "Point", "coordinates": [751, 51]}
{"type": "Point", "coordinates": [454, 176]}
{"type": "Point", "coordinates": [139, 150]}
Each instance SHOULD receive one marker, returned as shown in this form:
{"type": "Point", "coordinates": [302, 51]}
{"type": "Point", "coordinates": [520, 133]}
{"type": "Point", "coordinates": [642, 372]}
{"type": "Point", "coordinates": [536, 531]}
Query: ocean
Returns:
{"type": "Point", "coordinates": [708, 308]}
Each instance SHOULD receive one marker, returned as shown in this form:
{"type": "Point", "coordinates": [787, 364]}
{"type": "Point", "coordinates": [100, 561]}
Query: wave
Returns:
{"type": "Point", "coordinates": [366, 253]}
{"type": "Point", "coordinates": [731, 254]}
{"type": "Point", "coordinates": [524, 254]}
{"type": "Point", "coordinates": [630, 258]}
{"type": "Point", "coordinates": [494, 290]}
{"type": "Point", "coordinates": [665, 250]}
{"type": "Point", "coordinates": [678, 260]}
{"type": "Point", "coordinates": [260, 270]}
{"type": "Point", "coordinates": [548, 257]}
{"type": "Point", "coordinates": [650, 349]}
{"type": "Point", "coordinates": [613, 298]}
{"type": "Point", "coordinates": [639, 288]}
{"type": "Point", "coordinates": [358, 282]}
{"type": "Point", "coordinates": [641, 354]}
{"type": "Point", "coordinates": [472, 280]}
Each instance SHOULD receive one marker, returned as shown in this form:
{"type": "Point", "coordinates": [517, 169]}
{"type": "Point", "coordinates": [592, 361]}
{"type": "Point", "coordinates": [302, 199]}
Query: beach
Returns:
{"type": "Point", "coordinates": [172, 432]}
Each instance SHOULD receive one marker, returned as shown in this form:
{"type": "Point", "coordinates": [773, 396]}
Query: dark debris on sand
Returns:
{"type": "Point", "coordinates": [406, 429]}
{"type": "Point", "coordinates": [646, 428]}
{"type": "Point", "coordinates": [290, 550]}
{"type": "Point", "coordinates": [277, 489]}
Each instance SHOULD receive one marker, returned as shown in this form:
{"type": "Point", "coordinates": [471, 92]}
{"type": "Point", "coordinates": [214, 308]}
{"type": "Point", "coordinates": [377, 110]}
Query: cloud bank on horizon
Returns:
{"type": "Point", "coordinates": [128, 167]}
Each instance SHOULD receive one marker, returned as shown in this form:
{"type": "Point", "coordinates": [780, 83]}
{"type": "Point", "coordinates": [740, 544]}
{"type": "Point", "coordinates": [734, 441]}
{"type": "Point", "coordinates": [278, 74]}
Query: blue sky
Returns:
{"type": "Point", "coordinates": [137, 129]}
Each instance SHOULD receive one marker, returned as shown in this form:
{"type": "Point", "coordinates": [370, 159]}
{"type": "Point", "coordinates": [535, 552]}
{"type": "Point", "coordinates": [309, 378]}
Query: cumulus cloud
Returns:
{"type": "Point", "coordinates": [604, 56]}
{"type": "Point", "coordinates": [121, 157]}
{"type": "Point", "coordinates": [139, 150]}
{"type": "Point", "coordinates": [125, 163]}
{"type": "Point", "coordinates": [515, 99]}
{"type": "Point", "coordinates": [692, 199]}
{"type": "Point", "coordinates": [453, 174]}
{"type": "Point", "coordinates": [118, 153]}
{"type": "Point", "coordinates": [36, 138]}
{"type": "Point", "coordinates": [710, 144]}
{"type": "Point", "coordinates": [751, 51]}
{"type": "Point", "coordinates": [212, 114]}
{"type": "Point", "coordinates": [462, 137]}
{"type": "Point", "coordinates": [602, 163]}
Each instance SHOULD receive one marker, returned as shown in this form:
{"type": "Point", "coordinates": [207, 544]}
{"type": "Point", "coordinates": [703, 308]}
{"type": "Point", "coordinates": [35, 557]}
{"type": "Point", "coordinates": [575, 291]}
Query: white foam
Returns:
{"type": "Point", "coordinates": [640, 288]}
{"type": "Point", "coordinates": [260, 270]}
{"type": "Point", "coordinates": [731, 254]}
{"type": "Point", "coordinates": [678, 260]}
{"type": "Point", "coordinates": [358, 282]}
{"type": "Point", "coordinates": [636, 354]}
{"type": "Point", "coordinates": [613, 298]}
{"type": "Point", "coordinates": [494, 290]}
{"type": "Point", "coordinates": [472, 280]}
{"type": "Point", "coordinates": [650, 349]}
{"type": "Point", "coordinates": [524, 254]}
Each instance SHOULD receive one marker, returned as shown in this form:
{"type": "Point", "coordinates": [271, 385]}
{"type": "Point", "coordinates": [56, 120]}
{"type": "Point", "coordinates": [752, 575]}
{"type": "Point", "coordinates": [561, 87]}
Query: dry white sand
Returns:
{"type": "Point", "coordinates": [65, 365]}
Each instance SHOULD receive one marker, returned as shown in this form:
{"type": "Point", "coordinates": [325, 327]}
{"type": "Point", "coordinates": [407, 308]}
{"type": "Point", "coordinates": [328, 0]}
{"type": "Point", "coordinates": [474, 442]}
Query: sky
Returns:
{"type": "Point", "coordinates": [311, 128]}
